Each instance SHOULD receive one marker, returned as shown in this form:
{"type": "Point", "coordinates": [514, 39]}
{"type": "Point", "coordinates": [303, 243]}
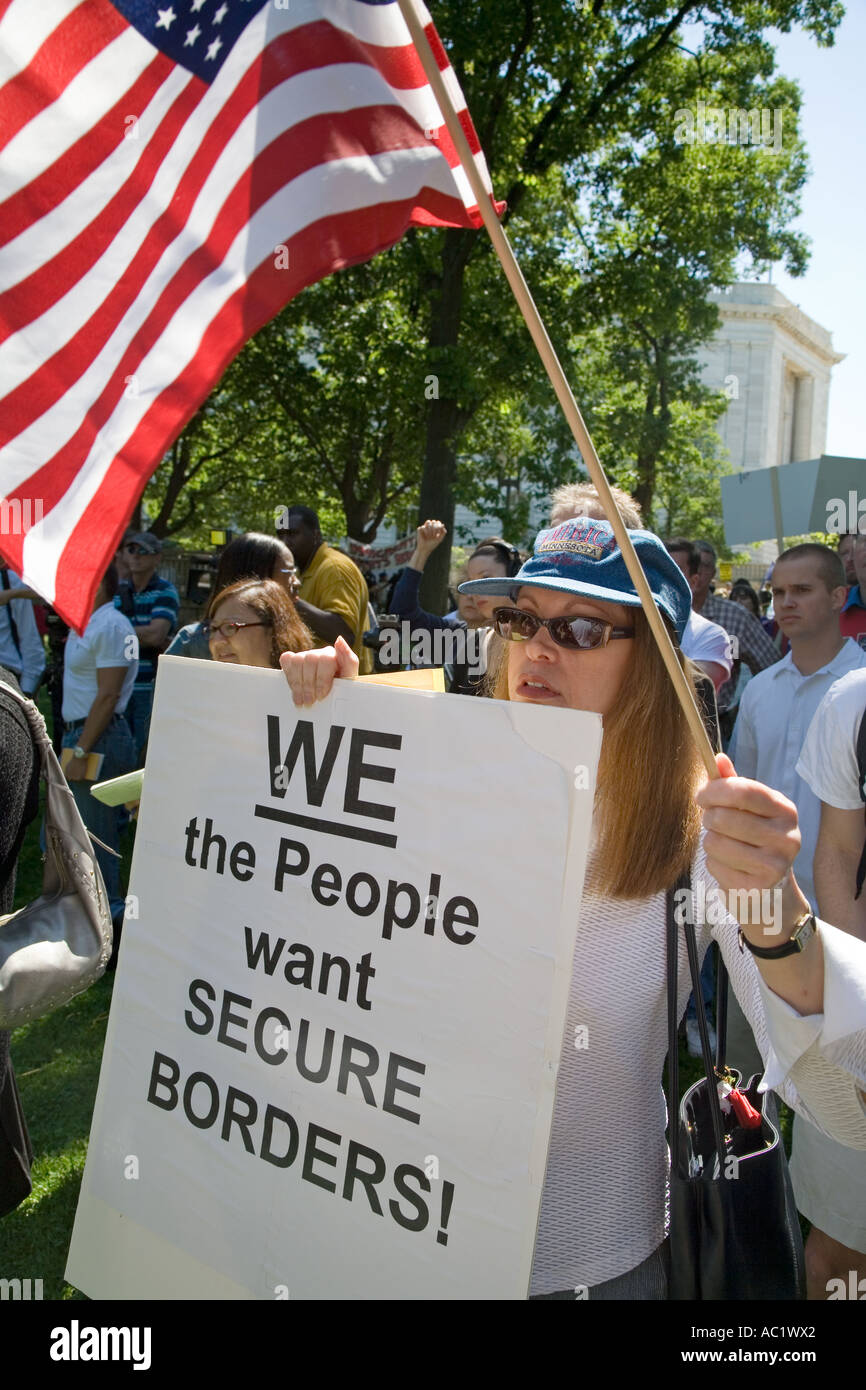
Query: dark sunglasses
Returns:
{"type": "Point", "coordinates": [210, 629]}
{"type": "Point", "coordinates": [576, 634]}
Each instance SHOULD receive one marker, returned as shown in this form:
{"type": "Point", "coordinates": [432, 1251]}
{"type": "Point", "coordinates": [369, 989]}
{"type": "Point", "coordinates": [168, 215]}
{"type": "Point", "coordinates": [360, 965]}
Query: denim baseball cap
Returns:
{"type": "Point", "coordinates": [581, 556]}
{"type": "Point", "coordinates": [150, 544]}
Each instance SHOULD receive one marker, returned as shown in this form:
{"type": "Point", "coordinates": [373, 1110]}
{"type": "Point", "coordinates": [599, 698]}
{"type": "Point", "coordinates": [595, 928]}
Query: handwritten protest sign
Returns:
{"type": "Point", "coordinates": [330, 1062]}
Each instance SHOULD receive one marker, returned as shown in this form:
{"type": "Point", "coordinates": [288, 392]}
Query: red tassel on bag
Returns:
{"type": "Point", "coordinates": [745, 1112]}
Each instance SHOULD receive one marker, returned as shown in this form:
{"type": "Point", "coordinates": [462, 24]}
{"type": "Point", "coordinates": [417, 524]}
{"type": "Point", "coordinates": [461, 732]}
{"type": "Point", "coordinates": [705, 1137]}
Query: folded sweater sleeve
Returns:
{"type": "Point", "coordinates": [816, 1062]}
{"type": "Point", "coordinates": [404, 602]}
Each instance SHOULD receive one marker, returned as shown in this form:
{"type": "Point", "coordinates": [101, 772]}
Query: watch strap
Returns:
{"type": "Point", "coordinates": [799, 939]}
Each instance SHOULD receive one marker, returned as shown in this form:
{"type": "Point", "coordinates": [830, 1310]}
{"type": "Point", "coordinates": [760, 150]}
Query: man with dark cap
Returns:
{"type": "Point", "coordinates": [151, 604]}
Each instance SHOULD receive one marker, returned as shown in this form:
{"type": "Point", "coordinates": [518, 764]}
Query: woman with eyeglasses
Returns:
{"type": "Point", "coordinates": [253, 555]}
{"type": "Point", "coordinates": [576, 638]}
{"type": "Point", "coordinates": [253, 622]}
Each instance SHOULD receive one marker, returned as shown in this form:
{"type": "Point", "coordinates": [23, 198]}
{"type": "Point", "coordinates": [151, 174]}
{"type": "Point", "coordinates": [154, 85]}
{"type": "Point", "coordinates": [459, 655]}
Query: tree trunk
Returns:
{"type": "Point", "coordinates": [646, 458]}
{"type": "Point", "coordinates": [444, 418]}
{"type": "Point", "coordinates": [364, 513]}
{"type": "Point", "coordinates": [657, 426]}
{"type": "Point", "coordinates": [181, 459]}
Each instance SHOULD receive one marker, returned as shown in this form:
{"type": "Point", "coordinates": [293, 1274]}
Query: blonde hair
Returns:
{"type": "Point", "coordinates": [581, 499]}
{"type": "Point", "coordinates": [646, 818]}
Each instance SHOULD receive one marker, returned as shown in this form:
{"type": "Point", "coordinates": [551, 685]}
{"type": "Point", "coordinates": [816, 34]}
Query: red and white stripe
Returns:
{"type": "Point", "coordinates": [140, 216]}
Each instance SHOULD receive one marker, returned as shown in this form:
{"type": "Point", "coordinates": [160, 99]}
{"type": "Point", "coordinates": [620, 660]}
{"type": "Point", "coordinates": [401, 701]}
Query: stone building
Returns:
{"type": "Point", "coordinates": [774, 364]}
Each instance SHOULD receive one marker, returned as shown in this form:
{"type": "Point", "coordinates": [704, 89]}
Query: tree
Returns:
{"type": "Point", "coordinates": [323, 407]}
{"type": "Point", "coordinates": [418, 368]}
{"type": "Point", "coordinates": [550, 86]}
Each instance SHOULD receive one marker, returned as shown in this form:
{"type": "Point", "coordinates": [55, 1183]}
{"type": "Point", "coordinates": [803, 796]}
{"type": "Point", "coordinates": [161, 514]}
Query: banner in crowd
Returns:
{"type": "Point", "coordinates": [387, 557]}
{"type": "Point", "coordinates": [330, 1063]}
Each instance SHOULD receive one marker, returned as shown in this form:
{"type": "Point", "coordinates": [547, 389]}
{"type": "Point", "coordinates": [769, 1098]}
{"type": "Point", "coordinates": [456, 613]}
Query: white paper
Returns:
{"type": "Point", "coordinates": [483, 795]}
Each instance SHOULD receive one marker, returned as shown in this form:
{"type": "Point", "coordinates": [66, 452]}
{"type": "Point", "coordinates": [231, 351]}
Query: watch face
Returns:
{"type": "Point", "coordinates": [803, 933]}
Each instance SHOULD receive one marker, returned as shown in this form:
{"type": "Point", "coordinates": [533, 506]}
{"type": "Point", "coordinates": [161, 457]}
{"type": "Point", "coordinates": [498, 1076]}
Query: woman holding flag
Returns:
{"type": "Point", "coordinates": [576, 637]}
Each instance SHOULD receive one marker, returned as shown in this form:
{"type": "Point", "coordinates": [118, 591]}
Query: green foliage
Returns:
{"type": "Point", "coordinates": [324, 407]}
{"type": "Point", "coordinates": [623, 227]}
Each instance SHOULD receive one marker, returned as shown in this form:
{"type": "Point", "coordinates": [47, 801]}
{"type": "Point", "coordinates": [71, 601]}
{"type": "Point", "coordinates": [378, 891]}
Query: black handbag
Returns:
{"type": "Point", "coordinates": [734, 1231]}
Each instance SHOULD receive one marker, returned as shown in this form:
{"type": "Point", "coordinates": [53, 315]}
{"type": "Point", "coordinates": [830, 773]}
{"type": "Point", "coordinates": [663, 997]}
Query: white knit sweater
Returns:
{"type": "Point", "coordinates": [603, 1209]}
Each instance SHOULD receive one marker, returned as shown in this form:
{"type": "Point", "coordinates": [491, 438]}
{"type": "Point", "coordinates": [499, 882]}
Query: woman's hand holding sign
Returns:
{"type": "Point", "coordinates": [312, 674]}
{"type": "Point", "coordinates": [752, 837]}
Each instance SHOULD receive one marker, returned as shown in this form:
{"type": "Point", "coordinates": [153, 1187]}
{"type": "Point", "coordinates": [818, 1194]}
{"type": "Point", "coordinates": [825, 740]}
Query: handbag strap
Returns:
{"type": "Point", "coordinates": [38, 727]}
{"type": "Point", "coordinates": [721, 1011]}
{"type": "Point", "coordinates": [685, 883]}
{"type": "Point", "coordinates": [673, 1026]}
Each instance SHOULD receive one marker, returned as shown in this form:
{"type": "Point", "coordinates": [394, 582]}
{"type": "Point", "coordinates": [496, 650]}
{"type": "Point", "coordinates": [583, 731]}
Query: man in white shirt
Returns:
{"type": "Point", "coordinates": [778, 704]}
{"type": "Point", "coordinates": [828, 764]}
{"type": "Point", "coordinates": [776, 711]}
{"type": "Point", "coordinates": [21, 648]}
{"type": "Point", "coordinates": [98, 677]}
{"type": "Point", "coordinates": [830, 1179]}
{"type": "Point", "coordinates": [704, 642]}
{"type": "Point", "coordinates": [751, 644]}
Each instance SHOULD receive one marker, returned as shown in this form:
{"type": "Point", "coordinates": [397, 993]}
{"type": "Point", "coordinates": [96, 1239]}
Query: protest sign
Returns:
{"type": "Point", "coordinates": [387, 557]}
{"type": "Point", "coordinates": [330, 1063]}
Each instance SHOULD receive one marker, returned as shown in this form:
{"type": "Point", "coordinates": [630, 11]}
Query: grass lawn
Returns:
{"type": "Point", "coordinates": [57, 1063]}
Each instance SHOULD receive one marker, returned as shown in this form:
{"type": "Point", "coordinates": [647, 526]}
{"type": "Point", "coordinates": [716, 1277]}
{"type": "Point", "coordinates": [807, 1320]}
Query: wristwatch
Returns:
{"type": "Point", "coordinates": [78, 751]}
{"type": "Point", "coordinates": [799, 939]}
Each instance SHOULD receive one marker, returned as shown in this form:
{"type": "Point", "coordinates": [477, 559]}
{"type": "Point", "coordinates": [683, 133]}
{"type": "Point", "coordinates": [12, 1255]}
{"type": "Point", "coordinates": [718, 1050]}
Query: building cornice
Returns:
{"type": "Point", "coordinates": [787, 317]}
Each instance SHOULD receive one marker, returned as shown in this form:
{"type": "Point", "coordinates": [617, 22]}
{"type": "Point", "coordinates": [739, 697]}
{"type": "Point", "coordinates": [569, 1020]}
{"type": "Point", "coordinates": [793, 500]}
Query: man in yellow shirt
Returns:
{"type": "Point", "coordinates": [333, 598]}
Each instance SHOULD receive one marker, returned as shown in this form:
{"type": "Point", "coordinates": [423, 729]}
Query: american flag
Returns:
{"type": "Point", "coordinates": [171, 175]}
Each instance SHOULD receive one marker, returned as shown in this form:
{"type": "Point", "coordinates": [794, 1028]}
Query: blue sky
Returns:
{"type": "Point", "coordinates": [833, 290]}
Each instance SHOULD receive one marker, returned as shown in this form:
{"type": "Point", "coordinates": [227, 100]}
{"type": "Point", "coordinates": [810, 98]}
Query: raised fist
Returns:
{"type": "Point", "coordinates": [430, 535]}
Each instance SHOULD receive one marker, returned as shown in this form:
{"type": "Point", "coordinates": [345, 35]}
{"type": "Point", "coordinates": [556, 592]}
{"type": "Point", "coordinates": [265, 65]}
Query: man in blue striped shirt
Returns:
{"type": "Point", "coordinates": [151, 604]}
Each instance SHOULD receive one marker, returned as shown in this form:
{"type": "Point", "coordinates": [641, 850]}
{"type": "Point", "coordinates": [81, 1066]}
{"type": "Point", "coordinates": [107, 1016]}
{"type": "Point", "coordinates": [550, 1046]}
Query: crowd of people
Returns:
{"type": "Point", "coordinates": [782, 695]}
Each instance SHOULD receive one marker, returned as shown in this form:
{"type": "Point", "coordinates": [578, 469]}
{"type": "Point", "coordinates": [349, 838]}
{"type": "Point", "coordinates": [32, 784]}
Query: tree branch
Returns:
{"type": "Point", "coordinates": [307, 429]}
{"type": "Point", "coordinates": [503, 88]}
{"type": "Point", "coordinates": [621, 78]}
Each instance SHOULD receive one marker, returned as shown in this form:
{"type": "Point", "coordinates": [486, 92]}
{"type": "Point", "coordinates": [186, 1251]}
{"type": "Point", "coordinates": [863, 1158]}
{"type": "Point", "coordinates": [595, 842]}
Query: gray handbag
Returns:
{"type": "Point", "coordinates": [59, 945]}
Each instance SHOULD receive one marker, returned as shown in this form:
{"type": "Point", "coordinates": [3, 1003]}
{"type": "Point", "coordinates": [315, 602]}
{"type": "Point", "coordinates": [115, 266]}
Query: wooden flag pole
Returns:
{"type": "Point", "coordinates": [553, 367]}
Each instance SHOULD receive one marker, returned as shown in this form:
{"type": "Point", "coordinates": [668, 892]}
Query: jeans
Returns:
{"type": "Point", "coordinates": [138, 713]}
{"type": "Point", "coordinates": [708, 987]}
{"type": "Point", "coordinates": [119, 750]}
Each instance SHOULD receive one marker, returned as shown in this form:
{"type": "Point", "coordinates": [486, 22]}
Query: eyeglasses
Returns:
{"type": "Point", "coordinates": [135, 549]}
{"type": "Point", "coordinates": [576, 634]}
{"type": "Point", "coordinates": [227, 629]}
